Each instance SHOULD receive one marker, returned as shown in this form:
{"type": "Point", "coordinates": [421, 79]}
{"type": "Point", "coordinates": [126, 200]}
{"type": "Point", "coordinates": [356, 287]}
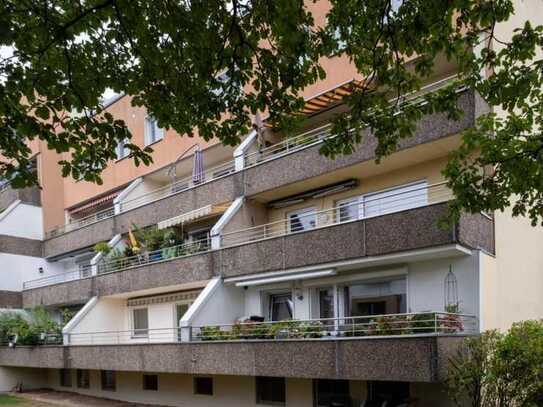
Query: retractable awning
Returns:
{"type": "Point", "coordinates": [330, 98]}
{"type": "Point", "coordinates": [270, 278]}
{"type": "Point", "coordinates": [197, 214]}
{"type": "Point", "coordinates": [100, 201]}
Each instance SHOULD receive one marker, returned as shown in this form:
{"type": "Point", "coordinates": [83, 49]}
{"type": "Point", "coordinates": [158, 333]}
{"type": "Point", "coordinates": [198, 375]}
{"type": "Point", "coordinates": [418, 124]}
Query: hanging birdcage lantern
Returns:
{"type": "Point", "coordinates": [451, 292]}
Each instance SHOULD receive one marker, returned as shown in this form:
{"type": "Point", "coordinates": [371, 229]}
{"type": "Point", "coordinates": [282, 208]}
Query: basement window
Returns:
{"type": "Point", "coordinates": [65, 377]}
{"type": "Point", "coordinates": [203, 385]}
{"type": "Point", "coordinates": [270, 390]}
{"type": "Point", "coordinates": [83, 379]}
{"type": "Point", "coordinates": [109, 380]}
{"type": "Point", "coordinates": [150, 382]}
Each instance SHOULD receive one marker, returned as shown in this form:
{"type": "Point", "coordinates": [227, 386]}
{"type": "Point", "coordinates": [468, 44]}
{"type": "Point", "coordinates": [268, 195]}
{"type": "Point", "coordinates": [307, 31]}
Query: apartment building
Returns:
{"type": "Point", "coordinates": [264, 274]}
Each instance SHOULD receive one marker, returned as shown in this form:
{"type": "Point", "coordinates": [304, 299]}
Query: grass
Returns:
{"type": "Point", "coordinates": [8, 400]}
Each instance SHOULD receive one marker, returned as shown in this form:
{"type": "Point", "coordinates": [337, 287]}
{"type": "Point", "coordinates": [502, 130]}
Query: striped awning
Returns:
{"type": "Point", "coordinates": [329, 98]}
{"type": "Point", "coordinates": [197, 214]}
{"type": "Point", "coordinates": [100, 201]}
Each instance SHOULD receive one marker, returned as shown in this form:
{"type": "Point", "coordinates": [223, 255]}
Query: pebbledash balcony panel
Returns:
{"type": "Point", "coordinates": [217, 191]}
{"type": "Point", "coordinates": [402, 231]}
{"type": "Point", "coordinates": [164, 274]}
{"type": "Point", "coordinates": [420, 359]}
{"type": "Point", "coordinates": [275, 172]}
{"type": "Point", "coordinates": [397, 232]}
{"type": "Point", "coordinates": [21, 246]}
{"type": "Point", "coordinates": [308, 163]}
{"type": "Point", "coordinates": [29, 195]}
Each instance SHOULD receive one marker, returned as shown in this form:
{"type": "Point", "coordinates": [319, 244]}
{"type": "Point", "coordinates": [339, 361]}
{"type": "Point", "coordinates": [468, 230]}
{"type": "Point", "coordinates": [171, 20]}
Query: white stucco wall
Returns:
{"type": "Point", "coordinates": [16, 269]}
{"type": "Point", "coordinates": [426, 284]}
{"type": "Point", "coordinates": [225, 306]}
{"type": "Point", "coordinates": [22, 220]}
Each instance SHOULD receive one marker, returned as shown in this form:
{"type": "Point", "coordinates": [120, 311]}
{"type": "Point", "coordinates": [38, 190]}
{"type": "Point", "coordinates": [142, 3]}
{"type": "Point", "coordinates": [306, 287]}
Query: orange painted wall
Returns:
{"type": "Point", "coordinates": [124, 171]}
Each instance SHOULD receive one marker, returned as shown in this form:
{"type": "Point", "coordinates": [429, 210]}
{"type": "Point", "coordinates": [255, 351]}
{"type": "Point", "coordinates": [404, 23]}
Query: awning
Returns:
{"type": "Point", "coordinates": [271, 278]}
{"type": "Point", "coordinates": [103, 200]}
{"type": "Point", "coordinates": [197, 214]}
{"type": "Point", "coordinates": [329, 98]}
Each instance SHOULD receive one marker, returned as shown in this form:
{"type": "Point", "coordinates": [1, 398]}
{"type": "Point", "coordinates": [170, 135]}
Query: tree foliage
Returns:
{"type": "Point", "coordinates": [499, 370]}
{"type": "Point", "coordinates": [207, 66]}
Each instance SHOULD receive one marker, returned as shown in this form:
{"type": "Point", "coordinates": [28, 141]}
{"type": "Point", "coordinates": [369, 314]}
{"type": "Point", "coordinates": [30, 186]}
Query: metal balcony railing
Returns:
{"type": "Point", "coordinates": [287, 146]}
{"type": "Point", "coordinates": [78, 274]}
{"type": "Point", "coordinates": [363, 208]}
{"type": "Point", "coordinates": [110, 265]}
{"type": "Point", "coordinates": [389, 325]}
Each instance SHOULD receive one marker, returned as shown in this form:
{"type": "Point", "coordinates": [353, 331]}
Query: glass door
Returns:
{"type": "Point", "coordinates": [180, 310]}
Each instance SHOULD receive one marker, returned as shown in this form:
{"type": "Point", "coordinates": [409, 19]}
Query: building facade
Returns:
{"type": "Point", "coordinates": [265, 274]}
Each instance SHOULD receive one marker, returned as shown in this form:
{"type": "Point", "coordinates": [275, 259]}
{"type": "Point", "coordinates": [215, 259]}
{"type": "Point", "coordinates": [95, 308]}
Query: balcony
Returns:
{"type": "Point", "coordinates": [248, 175]}
{"type": "Point", "coordinates": [277, 246]}
{"type": "Point", "coordinates": [8, 195]}
{"type": "Point", "coordinates": [404, 357]}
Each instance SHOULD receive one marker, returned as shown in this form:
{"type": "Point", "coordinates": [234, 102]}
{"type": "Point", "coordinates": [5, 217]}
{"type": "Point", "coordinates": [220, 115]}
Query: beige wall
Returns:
{"type": "Point", "coordinates": [513, 281]}
{"type": "Point", "coordinates": [27, 377]}
{"type": "Point", "coordinates": [235, 391]}
{"type": "Point", "coordinates": [429, 171]}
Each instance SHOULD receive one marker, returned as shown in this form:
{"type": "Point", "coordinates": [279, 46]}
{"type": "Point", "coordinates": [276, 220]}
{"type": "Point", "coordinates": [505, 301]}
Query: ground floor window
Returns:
{"type": "Point", "coordinates": [281, 307]}
{"type": "Point", "coordinates": [203, 385]}
{"type": "Point", "coordinates": [150, 382]}
{"type": "Point", "coordinates": [270, 390]}
{"type": "Point", "coordinates": [331, 393]}
{"type": "Point", "coordinates": [394, 394]}
{"type": "Point", "coordinates": [109, 380]}
{"type": "Point", "coordinates": [83, 379]}
{"type": "Point", "coordinates": [65, 377]}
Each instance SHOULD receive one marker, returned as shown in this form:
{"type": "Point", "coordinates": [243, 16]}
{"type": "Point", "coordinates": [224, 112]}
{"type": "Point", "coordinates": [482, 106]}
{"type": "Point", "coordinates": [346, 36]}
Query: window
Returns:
{"type": "Point", "coordinates": [382, 202]}
{"type": "Point", "coordinates": [330, 393]}
{"type": "Point", "coordinates": [281, 307]}
{"type": "Point", "coordinates": [303, 219]}
{"type": "Point", "coordinates": [396, 199]}
{"type": "Point", "coordinates": [153, 133]}
{"type": "Point", "coordinates": [109, 381]}
{"type": "Point", "coordinates": [388, 393]}
{"type": "Point", "coordinates": [83, 379]}
{"type": "Point", "coordinates": [140, 321]}
{"type": "Point", "coordinates": [203, 385]}
{"type": "Point", "coordinates": [326, 303]}
{"type": "Point", "coordinates": [65, 377]}
{"type": "Point", "coordinates": [379, 298]}
{"type": "Point", "coordinates": [201, 236]}
{"type": "Point", "coordinates": [348, 209]}
{"type": "Point", "coordinates": [270, 390]}
{"type": "Point", "coordinates": [122, 150]}
{"type": "Point", "coordinates": [150, 382]}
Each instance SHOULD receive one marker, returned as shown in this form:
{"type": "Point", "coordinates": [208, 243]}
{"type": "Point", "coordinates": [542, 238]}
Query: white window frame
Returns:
{"type": "Point", "coordinates": [363, 199]}
{"type": "Point", "coordinates": [353, 200]}
{"type": "Point", "coordinates": [121, 150]}
{"type": "Point", "coordinates": [133, 323]}
{"type": "Point", "coordinates": [301, 212]}
{"type": "Point", "coordinates": [152, 133]}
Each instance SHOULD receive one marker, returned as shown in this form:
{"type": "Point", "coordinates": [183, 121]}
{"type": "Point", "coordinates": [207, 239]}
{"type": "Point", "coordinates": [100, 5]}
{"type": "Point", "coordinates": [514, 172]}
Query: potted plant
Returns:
{"type": "Point", "coordinates": [102, 247]}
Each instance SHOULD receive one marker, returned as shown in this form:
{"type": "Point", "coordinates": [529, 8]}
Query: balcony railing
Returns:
{"type": "Point", "coordinates": [389, 325]}
{"type": "Point", "coordinates": [287, 146]}
{"type": "Point", "coordinates": [155, 256]}
{"type": "Point", "coordinates": [78, 274]}
{"type": "Point", "coordinates": [363, 208]}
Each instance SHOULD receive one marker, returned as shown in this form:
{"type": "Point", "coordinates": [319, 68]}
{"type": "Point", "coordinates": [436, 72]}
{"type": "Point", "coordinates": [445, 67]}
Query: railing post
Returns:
{"type": "Point", "coordinates": [435, 323]}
